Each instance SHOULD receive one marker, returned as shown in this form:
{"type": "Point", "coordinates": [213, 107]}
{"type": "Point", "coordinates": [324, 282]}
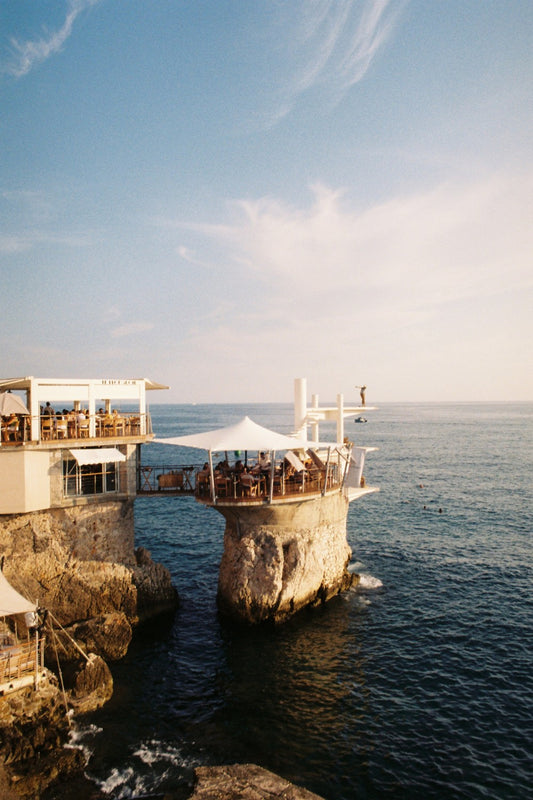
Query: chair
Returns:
{"type": "Point", "coordinates": [279, 484]}
{"type": "Point", "coordinates": [47, 427]}
{"type": "Point", "coordinates": [248, 485]}
{"type": "Point", "coordinates": [83, 428]}
{"type": "Point", "coordinates": [61, 428]}
{"type": "Point", "coordinates": [108, 425]}
{"type": "Point", "coordinates": [222, 486]}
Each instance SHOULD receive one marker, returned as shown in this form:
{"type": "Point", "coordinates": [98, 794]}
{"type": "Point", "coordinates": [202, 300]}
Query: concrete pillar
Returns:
{"type": "Point", "coordinates": [340, 418]}
{"type": "Point", "coordinates": [300, 407]}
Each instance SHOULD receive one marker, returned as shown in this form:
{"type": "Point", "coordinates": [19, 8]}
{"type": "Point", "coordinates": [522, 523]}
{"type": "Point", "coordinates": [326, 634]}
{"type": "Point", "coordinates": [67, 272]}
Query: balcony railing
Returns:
{"type": "Point", "coordinates": [20, 660]}
{"type": "Point", "coordinates": [234, 487]}
{"type": "Point", "coordinates": [73, 426]}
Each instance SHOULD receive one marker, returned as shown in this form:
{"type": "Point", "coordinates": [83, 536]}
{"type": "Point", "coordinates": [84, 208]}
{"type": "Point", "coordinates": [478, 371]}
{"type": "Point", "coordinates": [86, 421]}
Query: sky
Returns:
{"type": "Point", "coordinates": [223, 196]}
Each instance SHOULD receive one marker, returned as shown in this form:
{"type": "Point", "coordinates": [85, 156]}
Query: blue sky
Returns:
{"type": "Point", "coordinates": [223, 196]}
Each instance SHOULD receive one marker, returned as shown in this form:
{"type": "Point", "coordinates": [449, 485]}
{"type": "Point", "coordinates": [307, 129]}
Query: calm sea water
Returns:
{"type": "Point", "coordinates": [417, 685]}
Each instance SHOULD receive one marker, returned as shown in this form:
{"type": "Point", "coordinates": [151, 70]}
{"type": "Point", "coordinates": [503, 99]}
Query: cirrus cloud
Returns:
{"type": "Point", "coordinates": [28, 54]}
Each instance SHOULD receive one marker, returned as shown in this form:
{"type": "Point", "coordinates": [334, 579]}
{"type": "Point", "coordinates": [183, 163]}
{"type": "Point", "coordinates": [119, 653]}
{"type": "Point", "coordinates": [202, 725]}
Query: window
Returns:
{"type": "Point", "coordinates": [87, 479]}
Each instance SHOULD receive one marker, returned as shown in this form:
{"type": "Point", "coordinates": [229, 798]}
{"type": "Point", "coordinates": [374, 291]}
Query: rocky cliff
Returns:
{"type": "Point", "coordinates": [278, 559]}
{"type": "Point", "coordinates": [80, 564]}
{"type": "Point", "coordinates": [33, 728]}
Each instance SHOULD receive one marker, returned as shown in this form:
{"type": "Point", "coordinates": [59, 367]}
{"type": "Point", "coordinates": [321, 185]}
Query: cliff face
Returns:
{"type": "Point", "coordinates": [81, 564]}
{"type": "Point", "coordinates": [278, 559]}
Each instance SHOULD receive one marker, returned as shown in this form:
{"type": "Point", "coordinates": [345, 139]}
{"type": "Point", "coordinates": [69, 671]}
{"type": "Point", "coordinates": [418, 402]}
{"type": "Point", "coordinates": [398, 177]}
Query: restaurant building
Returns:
{"type": "Point", "coordinates": [69, 442]}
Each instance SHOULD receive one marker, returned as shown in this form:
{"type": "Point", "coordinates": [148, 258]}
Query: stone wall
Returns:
{"type": "Point", "coordinates": [280, 558]}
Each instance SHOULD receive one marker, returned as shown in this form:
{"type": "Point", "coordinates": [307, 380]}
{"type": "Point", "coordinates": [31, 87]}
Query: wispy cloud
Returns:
{"type": "Point", "coordinates": [331, 44]}
{"type": "Point", "coordinates": [131, 328]}
{"type": "Point", "coordinates": [434, 282]}
{"type": "Point", "coordinates": [454, 241]}
{"type": "Point", "coordinates": [28, 54]}
{"type": "Point", "coordinates": [18, 243]}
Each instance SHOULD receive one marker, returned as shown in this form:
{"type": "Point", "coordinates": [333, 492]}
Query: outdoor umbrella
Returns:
{"type": "Point", "coordinates": [11, 404]}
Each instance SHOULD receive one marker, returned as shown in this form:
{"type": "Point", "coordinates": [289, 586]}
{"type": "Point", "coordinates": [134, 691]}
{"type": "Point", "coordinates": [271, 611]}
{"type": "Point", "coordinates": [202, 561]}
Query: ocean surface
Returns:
{"type": "Point", "coordinates": [417, 685]}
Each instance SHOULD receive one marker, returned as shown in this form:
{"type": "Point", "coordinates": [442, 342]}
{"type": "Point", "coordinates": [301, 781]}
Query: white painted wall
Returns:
{"type": "Point", "coordinates": [24, 481]}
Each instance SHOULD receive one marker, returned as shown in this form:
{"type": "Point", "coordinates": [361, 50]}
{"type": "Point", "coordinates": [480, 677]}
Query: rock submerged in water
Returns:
{"type": "Point", "coordinates": [245, 782]}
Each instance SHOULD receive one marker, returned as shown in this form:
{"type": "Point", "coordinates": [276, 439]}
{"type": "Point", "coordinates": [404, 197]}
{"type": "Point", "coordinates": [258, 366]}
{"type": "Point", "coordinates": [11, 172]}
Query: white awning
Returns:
{"type": "Point", "coordinates": [11, 602]}
{"type": "Point", "coordinates": [97, 455]}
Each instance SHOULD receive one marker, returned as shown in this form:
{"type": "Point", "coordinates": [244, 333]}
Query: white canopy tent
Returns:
{"type": "Point", "coordinates": [11, 602]}
{"type": "Point", "coordinates": [245, 435]}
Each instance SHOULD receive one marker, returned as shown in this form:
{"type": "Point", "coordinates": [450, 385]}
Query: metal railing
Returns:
{"type": "Point", "coordinates": [20, 660]}
{"type": "Point", "coordinates": [73, 426]}
{"type": "Point", "coordinates": [195, 480]}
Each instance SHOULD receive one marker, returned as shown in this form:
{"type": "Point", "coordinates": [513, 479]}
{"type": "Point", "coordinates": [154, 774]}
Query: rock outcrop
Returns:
{"type": "Point", "coordinates": [278, 559]}
{"type": "Point", "coordinates": [247, 782]}
{"type": "Point", "coordinates": [33, 729]}
{"type": "Point", "coordinates": [81, 566]}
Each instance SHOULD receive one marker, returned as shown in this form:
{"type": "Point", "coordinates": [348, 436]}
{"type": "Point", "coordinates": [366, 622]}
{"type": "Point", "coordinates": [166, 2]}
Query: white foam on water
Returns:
{"type": "Point", "coordinates": [124, 781]}
{"type": "Point", "coordinates": [355, 567]}
{"type": "Point", "coordinates": [154, 751]}
{"type": "Point", "coordinates": [369, 582]}
{"type": "Point", "coordinates": [131, 781]}
{"type": "Point", "coordinates": [80, 738]}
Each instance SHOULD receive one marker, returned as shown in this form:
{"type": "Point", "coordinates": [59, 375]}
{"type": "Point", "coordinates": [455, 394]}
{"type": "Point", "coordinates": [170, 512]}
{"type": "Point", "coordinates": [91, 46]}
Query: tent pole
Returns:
{"type": "Point", "coordinates": [212, 476]}
{"type": "Point", "coordinates": [327, 470]}
{"type": "Point", "coordinates": [36, 679]}
{"type": "Point", "coordinates": [272, 470]}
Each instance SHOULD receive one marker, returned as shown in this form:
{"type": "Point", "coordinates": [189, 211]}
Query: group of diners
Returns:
{"type": "Point", "coordinates": [12, 427]}
{"type": "Point", "coordinates": [74, 423]}
{"type": "Point", "coordinates": [251, 480]}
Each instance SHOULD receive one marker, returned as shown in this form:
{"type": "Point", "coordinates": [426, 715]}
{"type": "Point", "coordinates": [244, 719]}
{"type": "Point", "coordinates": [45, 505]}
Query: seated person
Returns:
{"type": "Point", "coordinates": [247, 480]}
{"type": "Point", "coordinates": [10, 427]}
{"type": "Point", "coordinates": [202, 479]}
{"type": "Point", "coordinates": [288, 469]}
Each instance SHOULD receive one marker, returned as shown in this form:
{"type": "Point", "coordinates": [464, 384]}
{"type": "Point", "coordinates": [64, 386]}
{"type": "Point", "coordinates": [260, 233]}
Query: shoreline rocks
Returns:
{"type": "Point", "coordinates": [247, 782]}
{"type": "Point", "coordinates": [81, 566]}
{"type": "Point", "coordinates": [34, 727]}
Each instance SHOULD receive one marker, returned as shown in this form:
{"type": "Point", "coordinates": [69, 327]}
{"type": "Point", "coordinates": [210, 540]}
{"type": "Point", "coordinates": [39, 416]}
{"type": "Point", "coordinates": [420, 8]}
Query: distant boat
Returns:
{"type": "Point", "coordinates": [360, 419]}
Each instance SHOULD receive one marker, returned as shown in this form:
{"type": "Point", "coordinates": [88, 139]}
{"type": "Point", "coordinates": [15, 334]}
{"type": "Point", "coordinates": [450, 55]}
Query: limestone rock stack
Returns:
{"type": "Point", "coordinates": [280, 558]}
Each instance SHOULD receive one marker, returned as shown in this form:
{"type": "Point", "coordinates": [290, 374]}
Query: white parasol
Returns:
{"type": "Point", "coordinates": [11, 404]}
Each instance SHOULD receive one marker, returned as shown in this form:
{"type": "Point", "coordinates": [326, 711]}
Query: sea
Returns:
{"type": "Point", "coordinates": [416, 685]}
